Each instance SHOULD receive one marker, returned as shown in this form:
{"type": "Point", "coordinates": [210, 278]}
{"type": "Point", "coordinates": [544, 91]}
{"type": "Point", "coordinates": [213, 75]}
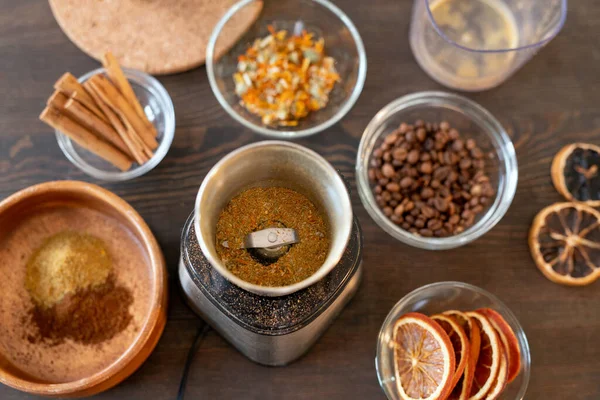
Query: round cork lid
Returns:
{"type": "Point", "coordinates": [154, 36]}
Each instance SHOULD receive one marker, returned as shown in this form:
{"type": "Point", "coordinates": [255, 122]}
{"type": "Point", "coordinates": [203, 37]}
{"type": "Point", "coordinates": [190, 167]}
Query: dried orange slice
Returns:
{"type": "Point", "coordinates": [462, 390]}
{"type": "Point", "coordinates": [459, 340]}
{"type": "Point", "coordinates": [501, 379]}
{"type": "Point", "coordinates": [488, 362]}
{"type": "Point", "coordinates": [565, 243]}
{"type": "Point", "coordinates": [423, 357]}
{"type": "Point", "coordinates": [576, 173]}
{"type": "Point", "coordinates": [509, 340]}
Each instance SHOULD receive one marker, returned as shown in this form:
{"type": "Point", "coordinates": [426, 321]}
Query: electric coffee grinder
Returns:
{"type": "Point", "coordinates": [271, 325]}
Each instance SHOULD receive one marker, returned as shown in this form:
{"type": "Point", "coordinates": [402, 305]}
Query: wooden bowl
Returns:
{"type": "Point", "coordinates": [73, 369]}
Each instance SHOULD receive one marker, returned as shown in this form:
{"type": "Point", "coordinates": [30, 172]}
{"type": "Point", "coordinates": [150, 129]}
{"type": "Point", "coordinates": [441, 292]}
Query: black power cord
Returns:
{"type": "Point", "coordinates": [200, 335]}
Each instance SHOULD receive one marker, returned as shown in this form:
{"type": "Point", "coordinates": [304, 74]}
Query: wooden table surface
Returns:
{"type": "Point", "coordinates": [553, 100]}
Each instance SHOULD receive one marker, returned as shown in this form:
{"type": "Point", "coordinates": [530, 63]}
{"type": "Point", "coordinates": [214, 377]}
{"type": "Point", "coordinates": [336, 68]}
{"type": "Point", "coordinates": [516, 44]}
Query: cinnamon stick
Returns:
{"type": "Point", "coordinates": [71, 87]}
{"type": "Point", "coordinates": [111, 96]}
{"type": "Point", "coordinates": [116, 75]}
{"type": "Point", "coordinates": [84, 138]}
{"type": "Point", "coordinates": [88, 119]}
{"type": "Point", "coordinates": [57, 100]}
{"type": "Point", "coordinates": [134, 147]}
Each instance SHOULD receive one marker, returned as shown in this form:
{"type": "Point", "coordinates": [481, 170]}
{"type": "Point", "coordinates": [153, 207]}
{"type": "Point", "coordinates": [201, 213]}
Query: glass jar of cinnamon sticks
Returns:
{"type": "Point", "coordinates": [114, 124]}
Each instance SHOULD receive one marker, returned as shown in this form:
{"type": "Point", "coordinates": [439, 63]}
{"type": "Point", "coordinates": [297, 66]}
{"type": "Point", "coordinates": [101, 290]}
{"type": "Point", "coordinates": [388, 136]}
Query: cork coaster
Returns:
{"type": "Point", "coordinates": [154, 36]}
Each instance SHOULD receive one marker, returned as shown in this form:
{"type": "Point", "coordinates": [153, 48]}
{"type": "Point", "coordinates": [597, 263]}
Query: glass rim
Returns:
{"type": "Point", "coordinates": [503, 147]}
{"type": "Point", "coordinates": [283, 133]}
{"type": "Point", "coordinates": [542, 42]}
{"type": "Point", "coordinates": [166, 105]}
{"type": "Point", "coordinates": [506, 313]}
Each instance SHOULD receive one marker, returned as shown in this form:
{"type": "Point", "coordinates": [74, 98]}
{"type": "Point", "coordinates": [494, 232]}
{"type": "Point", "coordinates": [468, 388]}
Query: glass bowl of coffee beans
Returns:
{"type": "Point", "coordinates": [436, 170]}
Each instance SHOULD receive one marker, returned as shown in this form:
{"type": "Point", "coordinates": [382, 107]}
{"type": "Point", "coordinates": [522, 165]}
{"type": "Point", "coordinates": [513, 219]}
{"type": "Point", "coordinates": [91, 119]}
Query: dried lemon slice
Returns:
{"type": "Point", "coordinates": [565, 243]}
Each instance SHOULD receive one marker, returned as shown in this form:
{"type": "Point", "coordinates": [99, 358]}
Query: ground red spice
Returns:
{"type": "Point", "coordinates": [89, 316]}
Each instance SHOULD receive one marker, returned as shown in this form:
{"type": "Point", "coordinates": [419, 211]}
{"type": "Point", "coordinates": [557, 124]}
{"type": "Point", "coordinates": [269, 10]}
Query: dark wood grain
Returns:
{"type": "Point", "coordinates": [550, 102]}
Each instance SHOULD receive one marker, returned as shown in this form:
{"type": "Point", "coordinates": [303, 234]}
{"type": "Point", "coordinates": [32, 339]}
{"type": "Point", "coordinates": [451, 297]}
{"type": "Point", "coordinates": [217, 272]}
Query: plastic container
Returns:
{"type": "Point", "coordinates": [475, 45]}
{"type": "Point", "coordinates": [321, 17]}
{"type": "Point", "coordinates": [474, 122]}
{"type": "Point", "coordinates": [436, 298]}
{"type": "Point", "coordinates": [158, 106]}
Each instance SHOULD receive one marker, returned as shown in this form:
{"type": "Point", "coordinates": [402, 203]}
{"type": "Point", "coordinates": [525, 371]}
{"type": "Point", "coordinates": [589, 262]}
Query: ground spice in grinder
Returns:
{"type": "Point", "coordinates": [74, 292]}
{"type": "Point", "coordinates": [260, 208]}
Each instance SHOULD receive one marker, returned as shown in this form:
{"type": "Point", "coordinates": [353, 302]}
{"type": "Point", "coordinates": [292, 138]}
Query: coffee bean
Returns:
{"type": "Point", "coordinates": [391, 138]}
{"type": "Point", "coordinates": [427, 193]}
{"type": "Point", "coordinates": [440, 233]}
{"type": "Point", "coordinates": [399, 210]}
{"type": "Point", "coordinates": [426, 167]}
{"type": "Point", "coordinates": [413, 156]}
{"type": "Point", "coordinates": [425, 232]}
{"type": "Point", "coordinates": [477, 209]}
{"type": "Point", "coordinates": [396, 219]}
{"type": "Point", "coordinates": [388, 170]}
{"type": "Point", "coordinates": [427, 177]}
{"type": "Point", "coordinates": [453, 220]}
{"type": "Point", "coordinates": [427, 212]}
{"type": "Point", "coordinates": [476, 190]}
{"type": "Point", "coordinates": [476, 153]}
{"type": "Point", "coordinates": [440, 204]}
{"type": "Point", "coordinates": [392, 187]}
{"type": "Point", "coordinates": [434, 224]}
{"type": "Point", "coordinates": [399, 154]}
{"type": "Point", "coordinates": [441, 173]}
{"type": "Point", "coordinates": [471, 144]}
{"type": "Point", "coordinates": [465, 163]}
{"type": "Point", "coordinates": [406, 182]}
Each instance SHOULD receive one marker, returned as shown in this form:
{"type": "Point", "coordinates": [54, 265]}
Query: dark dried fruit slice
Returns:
{"type": "Point", "coordinates": [509, 341]}
{"type": "Point", "coordinates": [490, 355]}
{"type": "Point", "coordinates": [423, 357]}
{"type": "Point", "coordinates": [459, 340]}
{"type": "Point", "coordinates": [576, 173]}
{"type": "Point", "coordinates": [462, 390]}
{"type": "Point", "coordinates": [501, 380]}
{"type": "Point", "coordinates": [565, 243]}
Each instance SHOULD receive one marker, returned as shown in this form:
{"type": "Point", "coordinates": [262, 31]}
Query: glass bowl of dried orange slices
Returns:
{"type": "Point", "coordinates": [452, 340]}
{"type": "Point", "coordinates": [296, 71]}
